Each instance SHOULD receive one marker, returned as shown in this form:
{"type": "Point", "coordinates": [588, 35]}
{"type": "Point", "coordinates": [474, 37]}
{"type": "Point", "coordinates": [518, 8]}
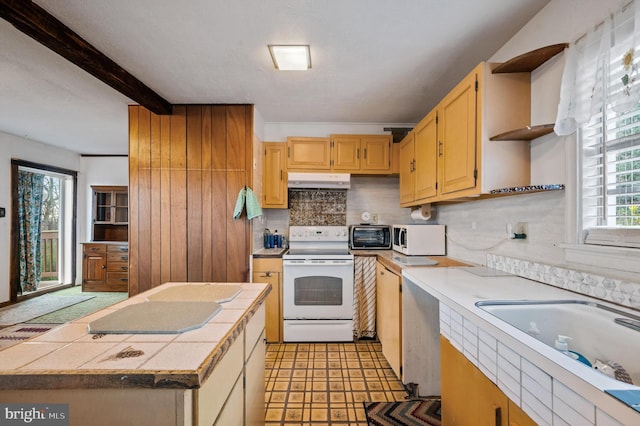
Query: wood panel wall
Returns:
{"type": "Point", "coordinates": [185, 172]}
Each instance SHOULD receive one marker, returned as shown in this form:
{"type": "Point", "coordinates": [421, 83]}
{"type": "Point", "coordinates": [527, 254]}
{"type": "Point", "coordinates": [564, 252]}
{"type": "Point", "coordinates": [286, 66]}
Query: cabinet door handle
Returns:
{"type": "Point", "coordinates": [365, 153]}
{"type": "Point", "coordinates": [440, 148]}
{"type": "Point", "coordinates": [498, 412]}
{"type": "Point", "coordinates": [280, 174]}
{"type": "Point", "coordinates": [103, 266]}
{"type": "Point", "coordinates": [358, 153]}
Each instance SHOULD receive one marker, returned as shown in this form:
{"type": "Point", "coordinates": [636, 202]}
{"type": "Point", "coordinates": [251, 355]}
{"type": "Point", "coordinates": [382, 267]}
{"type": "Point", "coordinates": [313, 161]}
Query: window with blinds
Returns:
{"type": "Point", "coordinates": [610, 144]}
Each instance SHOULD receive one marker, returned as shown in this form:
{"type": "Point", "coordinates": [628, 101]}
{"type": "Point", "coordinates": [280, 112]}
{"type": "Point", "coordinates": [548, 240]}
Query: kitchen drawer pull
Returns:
{"type": "Point", "coordinates": [124, 280]}
{"type": "Point", "coordinates": [124, 248]}
{"type": "Point", "coordinates": [94, 248]}
{"type": "Point", "coordinates": [124, 268]}
{"type": "Point", "coordinates": [124, 257]}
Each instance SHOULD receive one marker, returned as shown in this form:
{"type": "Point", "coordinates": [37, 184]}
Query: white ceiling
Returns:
{"type": "Point", "coordinates": [374, 61]}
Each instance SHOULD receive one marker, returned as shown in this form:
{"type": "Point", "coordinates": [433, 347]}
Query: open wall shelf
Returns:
{"type": "Point", "coordinates": [525, 134]}
{"type": "Point", "coordinates": [528, 62]}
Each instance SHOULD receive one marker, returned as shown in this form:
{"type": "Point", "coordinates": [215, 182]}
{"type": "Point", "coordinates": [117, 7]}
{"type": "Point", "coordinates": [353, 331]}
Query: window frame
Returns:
{"type": "Point", "coordinates": [14, 285]}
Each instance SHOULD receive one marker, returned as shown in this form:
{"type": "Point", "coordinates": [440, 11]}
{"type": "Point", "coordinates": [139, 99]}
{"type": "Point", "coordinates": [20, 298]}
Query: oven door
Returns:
{"type": "Point", "coordinates": [317, 289]}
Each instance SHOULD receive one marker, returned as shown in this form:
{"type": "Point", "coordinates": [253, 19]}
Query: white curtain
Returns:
{"type": "Point", "coordinates": [601, 68]}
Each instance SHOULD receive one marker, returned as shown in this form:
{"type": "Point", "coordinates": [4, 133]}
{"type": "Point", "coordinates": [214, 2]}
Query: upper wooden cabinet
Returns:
{"type": "Point", "coordinates": [110, 213]}
{"type": "Point", "coordinates": [308, 153]}
{"type": "Point", "coordinates": [457, 143]}
{"type": "Point", "coordinates": [356, 154]}
{"type": "Point", "coordinates": [366, 154]}
{"type": "Point", "coordinates": [274, 175]}
{"type": "Point", "coordinates": [465, 161]}
{"type": "Point", "coordinates": [418, 162]}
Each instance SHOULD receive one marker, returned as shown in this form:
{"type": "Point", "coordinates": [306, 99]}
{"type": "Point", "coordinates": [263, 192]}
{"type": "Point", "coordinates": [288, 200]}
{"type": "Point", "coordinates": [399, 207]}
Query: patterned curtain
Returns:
{"type": "Point", "coordinates": [364, 300]}
{"type": "Point", "coordinates": [29, 220]}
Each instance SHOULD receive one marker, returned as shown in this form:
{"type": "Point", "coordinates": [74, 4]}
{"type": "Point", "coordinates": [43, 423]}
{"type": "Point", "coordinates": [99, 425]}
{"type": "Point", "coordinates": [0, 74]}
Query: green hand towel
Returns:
{"type": "Point", "coordinates": [237, 211]}
{"type": "Point", "coordinates": [253, 206]}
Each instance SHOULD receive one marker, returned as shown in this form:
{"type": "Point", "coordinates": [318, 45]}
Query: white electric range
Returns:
{"type": "Point", "coordinates": [317, 287]}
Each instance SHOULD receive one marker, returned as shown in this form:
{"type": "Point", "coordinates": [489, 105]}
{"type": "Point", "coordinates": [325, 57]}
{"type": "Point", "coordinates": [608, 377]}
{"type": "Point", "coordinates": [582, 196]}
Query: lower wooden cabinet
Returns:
{"type": "Point", "coordinates": [389, 316]}
{"type": "Point", "coordinates": [105, 267]}
{"type": "Point", "coordinates": [470, 398]}
{"type": "Point", "coordinates": [269, 270]}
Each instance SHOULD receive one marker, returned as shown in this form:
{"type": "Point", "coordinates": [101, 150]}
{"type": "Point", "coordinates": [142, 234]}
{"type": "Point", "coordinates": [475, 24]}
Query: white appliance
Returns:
{"type": "Point", "coordinates": [419, 240]}
{"type": "Point", "coordinates": [319, 180]}
{"type": "Point", "coordinates": [317, 288]}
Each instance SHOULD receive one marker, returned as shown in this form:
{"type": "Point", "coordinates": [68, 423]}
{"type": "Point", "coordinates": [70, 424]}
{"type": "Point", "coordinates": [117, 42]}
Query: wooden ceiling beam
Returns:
{"type": "Point", "coordinates": [40, 25]}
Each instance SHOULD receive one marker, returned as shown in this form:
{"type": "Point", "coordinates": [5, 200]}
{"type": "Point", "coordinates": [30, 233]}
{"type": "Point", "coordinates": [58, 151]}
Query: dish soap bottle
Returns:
{"type": "Point", "coordinates": [562, 345]}
{"type": "Point", "coordinates": [277, 239]}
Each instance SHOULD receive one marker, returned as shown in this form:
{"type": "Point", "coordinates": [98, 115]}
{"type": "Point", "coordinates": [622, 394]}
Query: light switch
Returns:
{"type": "Point", "coordinates": [2, 212]}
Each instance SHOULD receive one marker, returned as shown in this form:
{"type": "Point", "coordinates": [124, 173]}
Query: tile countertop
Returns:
{"type": "Point", "coordinates": [68, 357]}
{"type": "Point", "coordinates": [460, 290]}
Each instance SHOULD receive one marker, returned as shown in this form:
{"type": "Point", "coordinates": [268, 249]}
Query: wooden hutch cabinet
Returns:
{"type": "Point", "coordinates": [105, 260]}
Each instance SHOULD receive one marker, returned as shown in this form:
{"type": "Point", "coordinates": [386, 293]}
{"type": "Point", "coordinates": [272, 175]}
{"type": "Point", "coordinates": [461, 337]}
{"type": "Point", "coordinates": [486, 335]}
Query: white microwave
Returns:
{"type": "Point", "coordinates": [419, 240]}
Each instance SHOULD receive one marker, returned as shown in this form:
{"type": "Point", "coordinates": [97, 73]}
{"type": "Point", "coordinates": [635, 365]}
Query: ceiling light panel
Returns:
{"type": "Point", "coordinates": [290, 57]}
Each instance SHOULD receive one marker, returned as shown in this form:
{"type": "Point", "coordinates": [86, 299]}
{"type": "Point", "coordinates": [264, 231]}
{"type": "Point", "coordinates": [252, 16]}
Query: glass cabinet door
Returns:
{"type": "Point", "coordinates": [121, 207]}
{"type": "Point", "coordinates": [102, 207]}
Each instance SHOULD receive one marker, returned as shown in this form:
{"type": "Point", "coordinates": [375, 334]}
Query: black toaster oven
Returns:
{"type": "Point", "coordinates": [370, 237]}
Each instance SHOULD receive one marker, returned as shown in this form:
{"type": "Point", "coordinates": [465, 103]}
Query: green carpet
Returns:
{"type": "Point", "coordinates": [100, 301]}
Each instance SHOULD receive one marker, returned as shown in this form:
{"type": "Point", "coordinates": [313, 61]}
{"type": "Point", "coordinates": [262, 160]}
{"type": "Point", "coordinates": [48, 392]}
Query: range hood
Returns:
{"type": "Point", "coordinates": [319, 180]}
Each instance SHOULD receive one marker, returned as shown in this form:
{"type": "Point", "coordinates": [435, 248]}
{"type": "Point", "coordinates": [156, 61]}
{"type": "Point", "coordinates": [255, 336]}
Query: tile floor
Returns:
{"type": "Point", "coordinates": [314, 384]}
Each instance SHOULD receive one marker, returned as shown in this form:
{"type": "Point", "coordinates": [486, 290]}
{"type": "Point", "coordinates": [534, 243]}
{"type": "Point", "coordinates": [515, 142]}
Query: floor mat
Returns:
{"type": "Point", "coordinates": [38, 306]}
{"type": "Point", "coordinates": [405, 413]}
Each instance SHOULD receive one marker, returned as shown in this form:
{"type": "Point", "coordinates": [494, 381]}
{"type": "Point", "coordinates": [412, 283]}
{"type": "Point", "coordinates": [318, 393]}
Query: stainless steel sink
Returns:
{"type": "Point", "coordinates": [597, 331]}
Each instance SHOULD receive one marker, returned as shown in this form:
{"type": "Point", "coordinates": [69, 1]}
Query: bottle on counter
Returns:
{"type": "Point", "coordinates": [265, 238]}
{"type": "Point", "coordinates": [277, 239]}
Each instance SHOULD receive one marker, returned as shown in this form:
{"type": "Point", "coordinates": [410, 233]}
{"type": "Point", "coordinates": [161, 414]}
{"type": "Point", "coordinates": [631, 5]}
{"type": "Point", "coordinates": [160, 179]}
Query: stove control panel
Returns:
{"type": "Point", "coordinates": [318, 233]}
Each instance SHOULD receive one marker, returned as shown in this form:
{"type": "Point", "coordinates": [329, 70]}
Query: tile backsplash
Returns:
{"type": "Point", "coordinates": [613, 290]}
{"type": "Point", "coordinates": [317, 207]}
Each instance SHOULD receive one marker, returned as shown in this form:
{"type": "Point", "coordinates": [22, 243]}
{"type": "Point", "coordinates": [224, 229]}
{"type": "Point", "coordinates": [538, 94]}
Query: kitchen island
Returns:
{"type": "Point", "coordinates": [190, 378]}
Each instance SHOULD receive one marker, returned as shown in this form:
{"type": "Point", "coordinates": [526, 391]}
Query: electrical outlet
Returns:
{"type": "Point", "coordinates": [521, 230]}
{"type": "Point", "coordinates": [374, 218]}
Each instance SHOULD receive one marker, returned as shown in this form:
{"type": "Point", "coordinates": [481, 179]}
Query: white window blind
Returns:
{"type": "Point", "coordinates": [610, 141]}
